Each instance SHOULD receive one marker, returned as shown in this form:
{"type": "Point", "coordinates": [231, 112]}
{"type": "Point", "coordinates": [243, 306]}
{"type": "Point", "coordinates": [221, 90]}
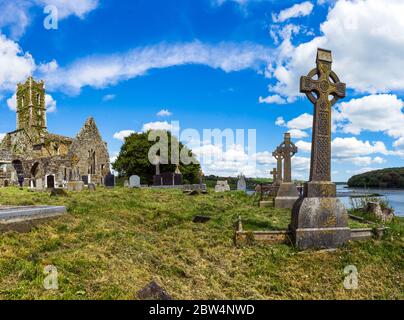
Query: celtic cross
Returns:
{"type": "Point", "coordinates": [323, 92]}
{"type": "Point", "coordinates": [277, 154]}
{"type": "Point", "coordinates": [288, 150]}
{"type": "Point", "coordinates": [274, 175]}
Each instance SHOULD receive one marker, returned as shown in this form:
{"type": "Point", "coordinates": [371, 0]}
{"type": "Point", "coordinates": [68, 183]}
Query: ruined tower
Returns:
{"type": "Point", "coordinates": [31, 110]}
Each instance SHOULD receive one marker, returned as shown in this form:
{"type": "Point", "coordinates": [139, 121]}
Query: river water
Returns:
{"type": "Point", "coordinates": [395, 197]}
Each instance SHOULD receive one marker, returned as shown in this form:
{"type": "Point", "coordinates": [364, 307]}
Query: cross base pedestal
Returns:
{"type": "Point", "coordinates": [319, 223]}
{"type": "Point", "coordinates": [287, 196]}
{"type": "Point", "coordinates": [320, 189]}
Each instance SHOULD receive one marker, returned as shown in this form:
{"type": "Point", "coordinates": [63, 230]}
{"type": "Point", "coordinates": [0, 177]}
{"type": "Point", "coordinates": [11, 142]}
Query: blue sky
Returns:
{"type": "Point", "coordinates": [213, 64]}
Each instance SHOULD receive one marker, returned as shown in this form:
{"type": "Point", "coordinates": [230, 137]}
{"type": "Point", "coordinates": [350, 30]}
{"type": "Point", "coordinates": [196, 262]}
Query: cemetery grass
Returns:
{"type": "Point", "coordinates": [114, 242]}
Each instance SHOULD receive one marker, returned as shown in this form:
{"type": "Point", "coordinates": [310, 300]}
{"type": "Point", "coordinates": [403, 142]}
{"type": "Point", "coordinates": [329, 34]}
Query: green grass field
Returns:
{"type": "Point", "coordinates": [113, 242]}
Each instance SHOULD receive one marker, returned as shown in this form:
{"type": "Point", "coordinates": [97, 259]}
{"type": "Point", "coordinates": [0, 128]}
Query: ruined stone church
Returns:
{"type": "Point", "coordinates": [47, 159]}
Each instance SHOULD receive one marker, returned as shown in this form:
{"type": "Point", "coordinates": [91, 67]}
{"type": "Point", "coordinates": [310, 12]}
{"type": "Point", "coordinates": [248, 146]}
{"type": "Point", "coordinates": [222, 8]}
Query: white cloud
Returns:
{"type": "Point", "coordinates": [273, 99]}
{"type": "Point", "coordinates": [15, 65]}
{"type": "Point", "coordinates": [302, 122]}
{"type": "Point", "coordinates": [102, 71]}
{"type": "Point", "coordinates": [365, 37]}
{"type": "Point", "coordinates": [16, 15]}
{"type": "Point", "coordinates": [121, 135]}
{"type": "Point", "coordinates": [363, 161]}
{"type": "Point", "coordinates": [50, 103]}
{"type": "Point", "coordinates": [2, 135]}
{"type": "Point", "coordinates": [351, 147]}
{"type": "Point", "coordinates": [298, 10]}
{"type": "Point", "coordinates": [68, 8]}
{"type": "Point", "coordinates": [157, 125]}
{"type": "Point", "coordinates": [377, 113]}
{"type": "Point", "coordinates": [298, 134]}
{"type": "Point", "coordinates": [303, 146]}
{"type": "Point", "coordinates": [108, 97]}
{"type": "Point", "coordinates": [164, 113]}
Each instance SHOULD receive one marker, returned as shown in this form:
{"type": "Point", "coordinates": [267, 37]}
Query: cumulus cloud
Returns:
{"type": "Point", "coordinates": [298, 10]}
{"type": "Point", "coordinates": [376, 113]}
{"type": "Point", "coordinates": [102, 71]}
{"type": "Point", "coordinates": [108, 97]}
{"type": "Point", "coordinates": [121, 135]}
{"type": "Point", "coordinates": [16, 15]}
{"type": "Point", "coordinates": [157, 125]}
{"type": "Point", "coordinates": [365, 37]}
{"type": "Point", "coordinates": [164, 113]}
{"type": "Point", "coordinates": [15, 65]}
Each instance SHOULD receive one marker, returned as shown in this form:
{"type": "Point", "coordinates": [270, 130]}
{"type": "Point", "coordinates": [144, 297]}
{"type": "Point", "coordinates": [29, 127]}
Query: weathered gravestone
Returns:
{"type": "Point", "coordinates": [222, 186]}
{"type": "Point", "coordinates": [75, 186]}
{"type": "Point", "coordinates": [110, 180]}
{"type": "Point", "coordinates": [84, 179]}
{"type": "Point", "coordinates": [287, 193]}
{"type": "Point", "coordinates": [153, 292]}
{"type": "Point", "coordinates": [277, 154]}
{"type": "Point", "coordinates": [134, 181]}
{"type": "Point", "coordinates": [319, 219]}
{"type": "Point", "coordinates": [92, 187]}
{"type": "Point", "coordinates": [39, 184]}
{"type": "Point", "coordinates": [274, 175]}
{"type": "Point", "coordinates": [241, 183]}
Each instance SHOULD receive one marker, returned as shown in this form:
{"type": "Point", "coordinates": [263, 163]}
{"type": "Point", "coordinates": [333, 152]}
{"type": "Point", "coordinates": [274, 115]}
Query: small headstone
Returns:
{"type": "Point", "coordinates": [241, 184]}
{"type": "Point", "coordinates": [75, 186]}
{"type": "Point", "coordinates": [38, 184]}
{"type": "Point", "coordinates": [84, 179]}
{"type": "Point", "coordinates": [222, 186]}
{"type": "Point", "coordinates": [126, 183]}
{"type": "Point", "coordinates": [5, 183]}
{"type": "Point", "coordinates": [110, 180]}
{"type": "Point", "coordinates": [55, 192]}
{"type": "Point", "coordinates": [153, 292]}
{"type": "Point", "coordinates": [134, 181]}
{"type": "Point", "coordinates": [201, 219]}
{"type": "Point", "coordinates": [92, 187]}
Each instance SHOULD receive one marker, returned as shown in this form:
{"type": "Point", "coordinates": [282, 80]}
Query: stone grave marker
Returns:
{"type": "Point", "coordinates": [110, 180]}
{"type": "Point", "coordinates": [277, 154]}
{"type": "Point", "coordinates": [75, 186]}
{"type": "Point", "coordinates": [319, 218]}
{"type": "Point", "coordinates": [38, 184]}
{"type": "Point", "coordinates": [287, 193]}
{"type": "Point", "coordinates": [84, 179]}
{"type": "Point", "coordinates": [134, 181]}
{"type": "Point", "coordinates": [241, 183]}
{"type": "Point", "coordinates": [92, 187]}
{"type": "Point", "coordinates": [153, 292]}
{"type": "Point", "coordinates": [222, 186]}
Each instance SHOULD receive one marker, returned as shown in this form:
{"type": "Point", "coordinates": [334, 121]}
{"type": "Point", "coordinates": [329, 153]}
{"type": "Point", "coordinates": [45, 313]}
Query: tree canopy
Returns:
{"type": "Point", "coordinates": [133, 158]}
{"type": "Point", "coordinates": [385, 178]}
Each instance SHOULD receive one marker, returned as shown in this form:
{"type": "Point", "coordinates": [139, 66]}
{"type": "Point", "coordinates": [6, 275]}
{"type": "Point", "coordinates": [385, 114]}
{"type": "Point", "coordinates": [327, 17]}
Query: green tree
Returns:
{"type": "Point", "coordinates": [133, 159]}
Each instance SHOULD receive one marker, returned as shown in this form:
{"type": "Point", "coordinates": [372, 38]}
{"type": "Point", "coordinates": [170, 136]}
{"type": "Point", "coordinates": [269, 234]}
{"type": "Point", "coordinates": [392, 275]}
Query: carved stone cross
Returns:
{"type": "Point", "coordinates": [288, 150]}
{"type": "Point", "coordinates": [323, 91]}
{"type": "Point", "coordinates": [274, 175]}
{"type": "Point", "coordinates": [277, 154]}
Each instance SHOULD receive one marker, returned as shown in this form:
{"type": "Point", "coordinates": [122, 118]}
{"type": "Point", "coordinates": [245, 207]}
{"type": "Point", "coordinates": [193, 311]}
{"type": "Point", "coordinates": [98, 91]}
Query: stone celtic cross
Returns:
{"type": "Point", "coordinates": [288, 150]}
{"type": "Point", "coordinates": [323, 88]}
{"type": "Point", "coordinates": [277, 154]}
{"type": "Point", "coordinates": [274, 175]}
